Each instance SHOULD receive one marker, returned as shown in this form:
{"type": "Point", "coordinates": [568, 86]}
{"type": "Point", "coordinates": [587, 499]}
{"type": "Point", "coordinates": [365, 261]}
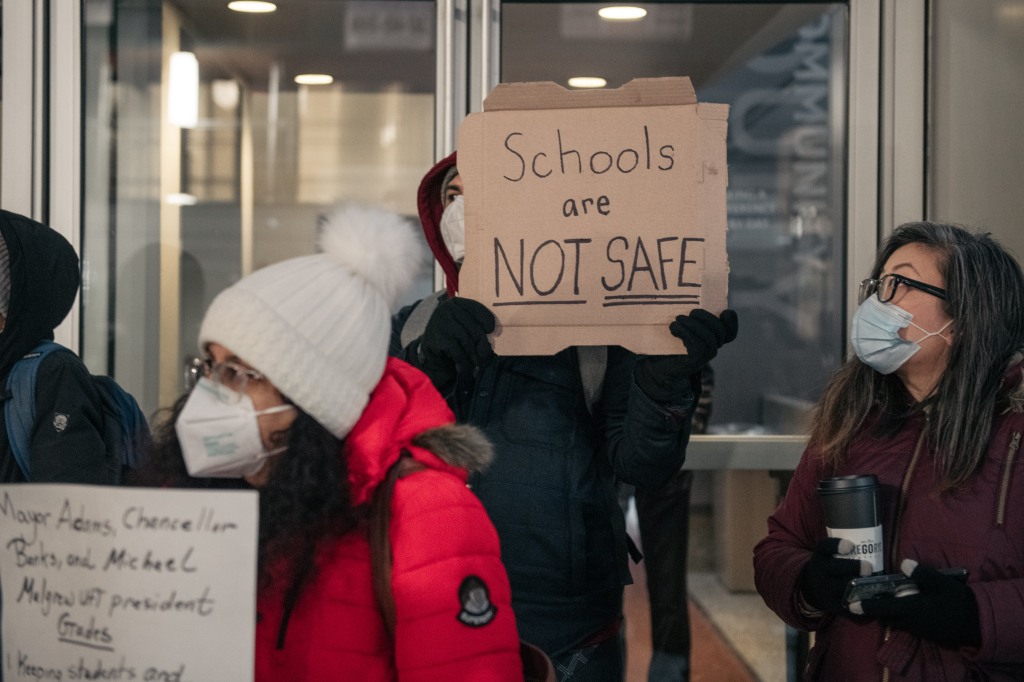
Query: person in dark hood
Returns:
{"type": "Point", "coordinates": [559, 444]}
{"type": "Point", "coordinates": [39, 279]}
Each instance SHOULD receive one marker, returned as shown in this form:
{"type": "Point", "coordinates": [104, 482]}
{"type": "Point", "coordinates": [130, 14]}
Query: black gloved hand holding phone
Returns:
{"type": "Point", "coordinates": [944, 610]}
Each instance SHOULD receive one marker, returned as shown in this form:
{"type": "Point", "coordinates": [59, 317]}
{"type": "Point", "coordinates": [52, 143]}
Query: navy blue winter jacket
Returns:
{"type": "Point", "coordinates": [550, 490]}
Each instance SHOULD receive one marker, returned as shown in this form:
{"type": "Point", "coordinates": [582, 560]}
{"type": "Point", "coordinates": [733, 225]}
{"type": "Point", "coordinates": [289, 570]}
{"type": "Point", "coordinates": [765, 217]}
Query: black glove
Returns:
{"type": "Point", "coordinates": [663, 377]}
{"type": "Point", "coordinates": [944, 611]}
{"type": "Point", "coordinates": [824, 578]}
{"type": "Point", "coordinates": [455, 336]}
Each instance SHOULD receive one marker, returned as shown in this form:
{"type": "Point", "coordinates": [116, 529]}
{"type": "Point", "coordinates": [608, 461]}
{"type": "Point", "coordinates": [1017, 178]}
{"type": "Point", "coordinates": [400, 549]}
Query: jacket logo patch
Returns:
{"type": "Point", "coordinates": [60, 421]}
{"type": "Point", "coordinates": [477, 609]}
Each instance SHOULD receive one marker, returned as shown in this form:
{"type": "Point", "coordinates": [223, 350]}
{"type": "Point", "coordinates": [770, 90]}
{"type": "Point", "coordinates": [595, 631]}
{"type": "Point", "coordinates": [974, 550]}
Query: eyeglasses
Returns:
{"type": "Point", "coordinates": [228, 374]}
{"type": "Point", "coordinates": [885, 287]}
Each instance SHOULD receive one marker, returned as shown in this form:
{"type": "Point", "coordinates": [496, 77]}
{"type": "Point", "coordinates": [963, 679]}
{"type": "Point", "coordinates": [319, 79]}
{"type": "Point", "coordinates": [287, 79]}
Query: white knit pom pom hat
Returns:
{"type": "Point", "coordinates": [318, 326]}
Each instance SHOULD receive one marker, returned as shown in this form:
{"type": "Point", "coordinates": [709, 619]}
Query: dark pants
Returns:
{"type": "Point", "coordinates": [664, 516]}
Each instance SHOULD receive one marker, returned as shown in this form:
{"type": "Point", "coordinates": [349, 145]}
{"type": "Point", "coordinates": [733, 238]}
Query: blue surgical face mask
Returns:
{"type": "Point", "coordinates": [876, 335]}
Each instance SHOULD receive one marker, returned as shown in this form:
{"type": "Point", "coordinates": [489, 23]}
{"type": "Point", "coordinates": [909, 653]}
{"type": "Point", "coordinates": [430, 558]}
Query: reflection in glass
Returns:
{"type": "Point", "coordinates": [176, 210]}
{"type": "Point", "coordinates": [780, 67]}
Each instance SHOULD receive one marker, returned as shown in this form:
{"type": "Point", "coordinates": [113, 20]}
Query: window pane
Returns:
{"type": "Point", "coordinates": [206, 160]}
{"type": "Point", "coordinates": [976, 145]}
{"type": "Point", "coordinates": [781, 68]}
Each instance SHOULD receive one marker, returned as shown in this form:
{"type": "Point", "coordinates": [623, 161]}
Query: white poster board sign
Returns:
{"type": "Point", "coordinates": [104, 583]}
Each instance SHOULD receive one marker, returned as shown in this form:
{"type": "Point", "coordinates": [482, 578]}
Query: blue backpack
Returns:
{"type": "Point", "coordinates": [125, 429]}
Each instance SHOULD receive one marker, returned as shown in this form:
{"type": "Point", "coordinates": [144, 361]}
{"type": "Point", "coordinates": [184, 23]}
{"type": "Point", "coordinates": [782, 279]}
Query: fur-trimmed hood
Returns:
{"type": "Point", "coordinates": [460, 445]}
{"type": "Point", "coordinates": [407, 414]}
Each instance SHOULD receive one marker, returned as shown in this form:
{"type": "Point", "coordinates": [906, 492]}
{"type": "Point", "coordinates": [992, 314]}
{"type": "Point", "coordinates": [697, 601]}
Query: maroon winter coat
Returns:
{"type": "Point", "coordinates": [443, 545]}
{"type": "Point", "coordinates": [979, 526]}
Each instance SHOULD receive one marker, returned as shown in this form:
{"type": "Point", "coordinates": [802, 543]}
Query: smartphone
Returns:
{"type": "Point", "coordinates": [890, 585]}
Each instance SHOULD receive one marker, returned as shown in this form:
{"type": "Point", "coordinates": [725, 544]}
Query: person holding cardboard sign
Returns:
{"type": "Point", "coordinates": [565, 427]}
{"type": "Point", "coordinates": [376, 561]}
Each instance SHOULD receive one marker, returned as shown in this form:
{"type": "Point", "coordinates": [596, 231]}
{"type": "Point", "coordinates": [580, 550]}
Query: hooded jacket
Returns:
{"type": "Point", "coordinates": [66, 444]}
{"type": "Point", "coordinates": [551, 488]}
{"type": "Point", "coordinates": [442, 544]}
{"type": "Point", "coordinates": [979, 526]}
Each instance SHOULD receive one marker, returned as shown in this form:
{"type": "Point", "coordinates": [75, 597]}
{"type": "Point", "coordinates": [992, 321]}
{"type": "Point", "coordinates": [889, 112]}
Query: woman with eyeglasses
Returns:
{"type": "Point", "coordinates": [295, 396]}
{"type": "Point", "coordinates": [932, 404]}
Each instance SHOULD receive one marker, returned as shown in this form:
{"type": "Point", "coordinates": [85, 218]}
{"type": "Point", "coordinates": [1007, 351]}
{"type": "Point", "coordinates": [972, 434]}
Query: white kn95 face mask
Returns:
{"type": "Point", "coordinates": [453, 228]}
{"type": "Point", "coordinates": [219, 433]}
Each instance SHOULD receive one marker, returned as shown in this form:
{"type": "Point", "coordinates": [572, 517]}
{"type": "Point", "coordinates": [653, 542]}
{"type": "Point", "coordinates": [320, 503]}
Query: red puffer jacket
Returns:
{"type": "Point", "coordinates": [454, 618]}
{"type": "Point", "coordinates": [979, 527]}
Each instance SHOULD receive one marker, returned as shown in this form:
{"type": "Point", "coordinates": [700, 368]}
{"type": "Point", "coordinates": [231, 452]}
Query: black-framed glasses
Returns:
{"type": "Point", "coordinates": [228, 374]}
{"type": "Point", "coordinates": [885, 287]}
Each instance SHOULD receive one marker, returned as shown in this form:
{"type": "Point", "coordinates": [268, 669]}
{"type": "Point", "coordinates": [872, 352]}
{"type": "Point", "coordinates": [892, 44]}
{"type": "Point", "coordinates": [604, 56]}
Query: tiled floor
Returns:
{"type": "Point", "coordinates": [736, 638]}
{"type": "Point", "coordinates": [753, 631]}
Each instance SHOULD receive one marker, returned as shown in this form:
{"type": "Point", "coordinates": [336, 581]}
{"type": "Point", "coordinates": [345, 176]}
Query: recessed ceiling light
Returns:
{"type": "Point", "coordinates": [314, 79]}
{"type": "Point", "coordinates": [587, 82]}
{"type": "Point", "coordinates": [180, 199]}
{"type": "Point", "coordinates": [1012, 12]}
{"type": "Point", "coordinates": [622, 13]}
{"type": "Point", "coordinates": [255, 6]}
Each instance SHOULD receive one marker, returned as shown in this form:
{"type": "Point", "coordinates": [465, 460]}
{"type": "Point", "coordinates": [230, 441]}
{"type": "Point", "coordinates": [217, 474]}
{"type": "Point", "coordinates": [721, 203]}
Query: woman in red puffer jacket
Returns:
{"type": "Point", "coordinates": [295, 396]}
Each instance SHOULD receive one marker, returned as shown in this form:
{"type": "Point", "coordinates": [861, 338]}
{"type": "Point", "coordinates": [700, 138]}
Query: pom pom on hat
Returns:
{"type": "Point", "coordinates": [371, 243]}
{"type": "Point", "coordinates": [319, 326]}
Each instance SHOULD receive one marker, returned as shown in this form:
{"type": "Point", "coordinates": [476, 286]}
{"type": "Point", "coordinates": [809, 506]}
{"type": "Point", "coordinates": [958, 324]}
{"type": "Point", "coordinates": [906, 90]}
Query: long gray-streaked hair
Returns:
{"type": "Point", "coordinates": [985, 298]}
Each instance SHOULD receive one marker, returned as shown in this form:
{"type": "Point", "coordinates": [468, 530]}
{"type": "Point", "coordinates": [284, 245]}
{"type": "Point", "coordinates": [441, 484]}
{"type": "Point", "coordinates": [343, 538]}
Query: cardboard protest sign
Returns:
{"type": "Point", "coordinates": [594, 217]}
{"type": "Point", "coordinates": [127, 583]}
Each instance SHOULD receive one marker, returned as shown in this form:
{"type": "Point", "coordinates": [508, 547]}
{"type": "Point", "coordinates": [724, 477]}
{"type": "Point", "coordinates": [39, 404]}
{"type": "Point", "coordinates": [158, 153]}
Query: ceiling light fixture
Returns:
{"type": "Point", "coordinates": [183, 90]}
{"type": "Point", "coordinates": [587, 82]}
{"type": "Point", "coordinates": [1012, 12]}
{"type": "Point", "coordinates": [253, 6]}
{"type": "Point", "coordinates": [314, 79]}
{"type": "Point", "coordinates": [622, 13]}
{"type": "Point", "coordinates": [225, 93]}
{"type": "Point", "coordinates": [181, 199]}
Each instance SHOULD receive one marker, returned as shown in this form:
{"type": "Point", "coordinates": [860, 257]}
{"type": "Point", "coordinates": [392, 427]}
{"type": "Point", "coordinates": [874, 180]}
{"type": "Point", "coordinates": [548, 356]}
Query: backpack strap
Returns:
{"type": "Point", "coordinates": [593, 361]}
{"type": "Point", "coordinates": [126, 431]}
{"type": "Point", "coordinates": [20, 407]}
{"type": "Point", "coordinates": [416, 323]}
{"type": "Point", "coordinates": [380, 538]}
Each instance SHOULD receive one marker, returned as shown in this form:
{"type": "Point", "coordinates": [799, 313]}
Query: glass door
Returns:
{"type": "Point", "coordinates": [213, 141]}
{"type": "Point", "coordinates": [782, 69]}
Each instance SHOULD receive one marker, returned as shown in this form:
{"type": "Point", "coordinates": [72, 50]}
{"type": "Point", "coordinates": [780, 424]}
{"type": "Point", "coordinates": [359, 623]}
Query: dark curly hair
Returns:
{"type": "Point", "coordinates": [306, 498]}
